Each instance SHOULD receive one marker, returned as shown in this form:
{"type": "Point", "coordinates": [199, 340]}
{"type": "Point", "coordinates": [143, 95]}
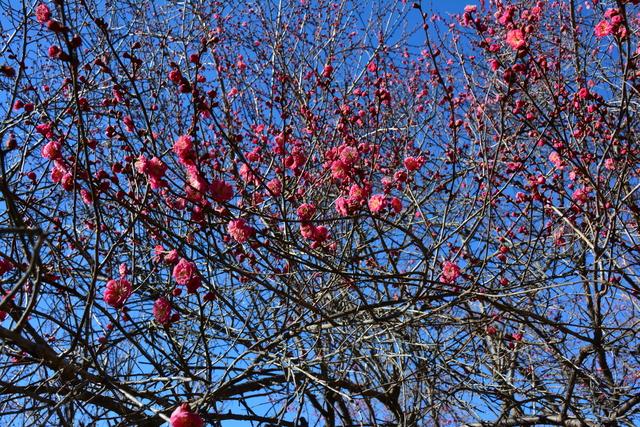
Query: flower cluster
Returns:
{"type": "Point", "coordinates": [240, 230]}
{"type": "Point", "coordinates": [612, 24]}
{"type": "Point", "coordinates": [450, 272]}
{"type": "Point", "coordinates": [117, 292]}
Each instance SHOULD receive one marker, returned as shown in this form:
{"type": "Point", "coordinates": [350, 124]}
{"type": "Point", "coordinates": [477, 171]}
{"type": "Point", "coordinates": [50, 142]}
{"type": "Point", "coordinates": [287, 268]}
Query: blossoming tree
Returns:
{"type": "Point", "coordinates": [316, 212]}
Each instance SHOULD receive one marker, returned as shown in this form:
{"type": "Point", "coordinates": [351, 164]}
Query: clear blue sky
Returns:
{"type": "Point", "coordinates": [449, 6]}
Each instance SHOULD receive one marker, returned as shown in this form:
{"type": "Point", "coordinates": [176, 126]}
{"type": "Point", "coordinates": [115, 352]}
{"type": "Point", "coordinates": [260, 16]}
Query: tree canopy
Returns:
{"type": "Point", "coordinates": [319, 213]}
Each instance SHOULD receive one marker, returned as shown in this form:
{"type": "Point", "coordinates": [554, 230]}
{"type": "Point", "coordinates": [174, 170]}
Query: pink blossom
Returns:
{"type": "Point", "coordinates": [400, 176]}
{"type": "Point", "coordinates": [321, 233]}
{"type": "Point", "coordinates": [306, 211]}
{"type": "Point", "coordinates": [220, 191]}
{"type": "Point", "coordinates": [317, 234]}
{"type": "Point", "coordinates": [467, 17]}
{"type": "Point", "coordinates": [581, 195]}
{"type": "Point", "coordinates": [162, 311]}
{"type": "Point", "coordinates": [43, 14]}
{"type": "Point", "coordinates": [358, 194]}
{"type": "Point", "coordinates": [54, 51]}
{"type": "Point", "coordinates": [413, 163]}
{"type": "Point", "coordinates": [246, 174]}
{"type": "Point", "coordinates": [154, 169]}
{"type": "Point", "coordinates": [621, 31]}
{"type": "Point", "coordinates": [123, 269]}
{"type": "Point", "coordinates": [297, 159]}
{"type": "Point", "coordinates": [583, 93]}
{"type": "Point", "coordinates": [343, 206]}
{"type": "Point", "coordinates": [184, 417]}
{"type": "Point", "coordinates": [506, 17]}
{"type": "Point", "coordinates": [168, 257]}
{"type": "Point", "coordinates": [184, 149]}
{"type": "Point", "coordinates": [51, 150]}
{"type": "Point", "coordinates": [326, 72]}
{"type": "Point", "coordinates": [275, 186]}
{"type": "Point", "coordinates": [349, 155]}
{"type": "Point", "coordinates": [175, 76]}
{"type": "Point", "coordinates": [396, 204]}
{"type": "Point", "coordinates": [610, 164]}
{"type": "Point", "coordinates": [611, 13]}
{"type": "Point", "coordinates": [240, 64]}
{"type": "Point", "coordinates": [45, 129]}
{"type": "Point", "coordinates": [515, 39]}
{"type": "Point", "coordinates": [239, 230]}
{"type": "Point", "coordinates": [171, 257]}
{"type": "Point", "coordinates": [557, 161]}
{"type": "Point", "coordinates": [67, 181]}
{"type": "Point", "coordinates": [450, 272]}
{"type": "Point", "coordinates": [339, 170]}
{"type": "Point", "coordinates": [377, 202]}
{"type": "Point", "coordinates": [196, 182]}
{"type": "Point", "coordinates": [87, 198]}
{"type": "Point", "coordinates": [183, 271]}
{"type": "Point", "coordinates": [159, 252]}
{"type": "Point", "coordinates": [142, 164]}
{"type": "Point", "coordinates": [117, 292]}
{"type": "Point", "coordinates": [307, 230]}
{"type": "Point", "coordinates": [57, 174]}
{"type": "Point", "coordinates": [603, 28]}
{"type": "Point", "coordinates": [254, 155]}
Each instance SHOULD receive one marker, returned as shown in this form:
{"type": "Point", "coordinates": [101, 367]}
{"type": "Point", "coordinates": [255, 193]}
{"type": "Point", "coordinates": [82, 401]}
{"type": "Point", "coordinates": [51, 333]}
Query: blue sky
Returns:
{"type": "Point", "coordinates": [450, 6]}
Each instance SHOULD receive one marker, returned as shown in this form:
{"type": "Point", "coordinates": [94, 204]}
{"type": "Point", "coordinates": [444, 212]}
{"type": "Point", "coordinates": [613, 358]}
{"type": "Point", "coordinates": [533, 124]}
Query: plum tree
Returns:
{"type": "Point", "coordinates": [318, 212]}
